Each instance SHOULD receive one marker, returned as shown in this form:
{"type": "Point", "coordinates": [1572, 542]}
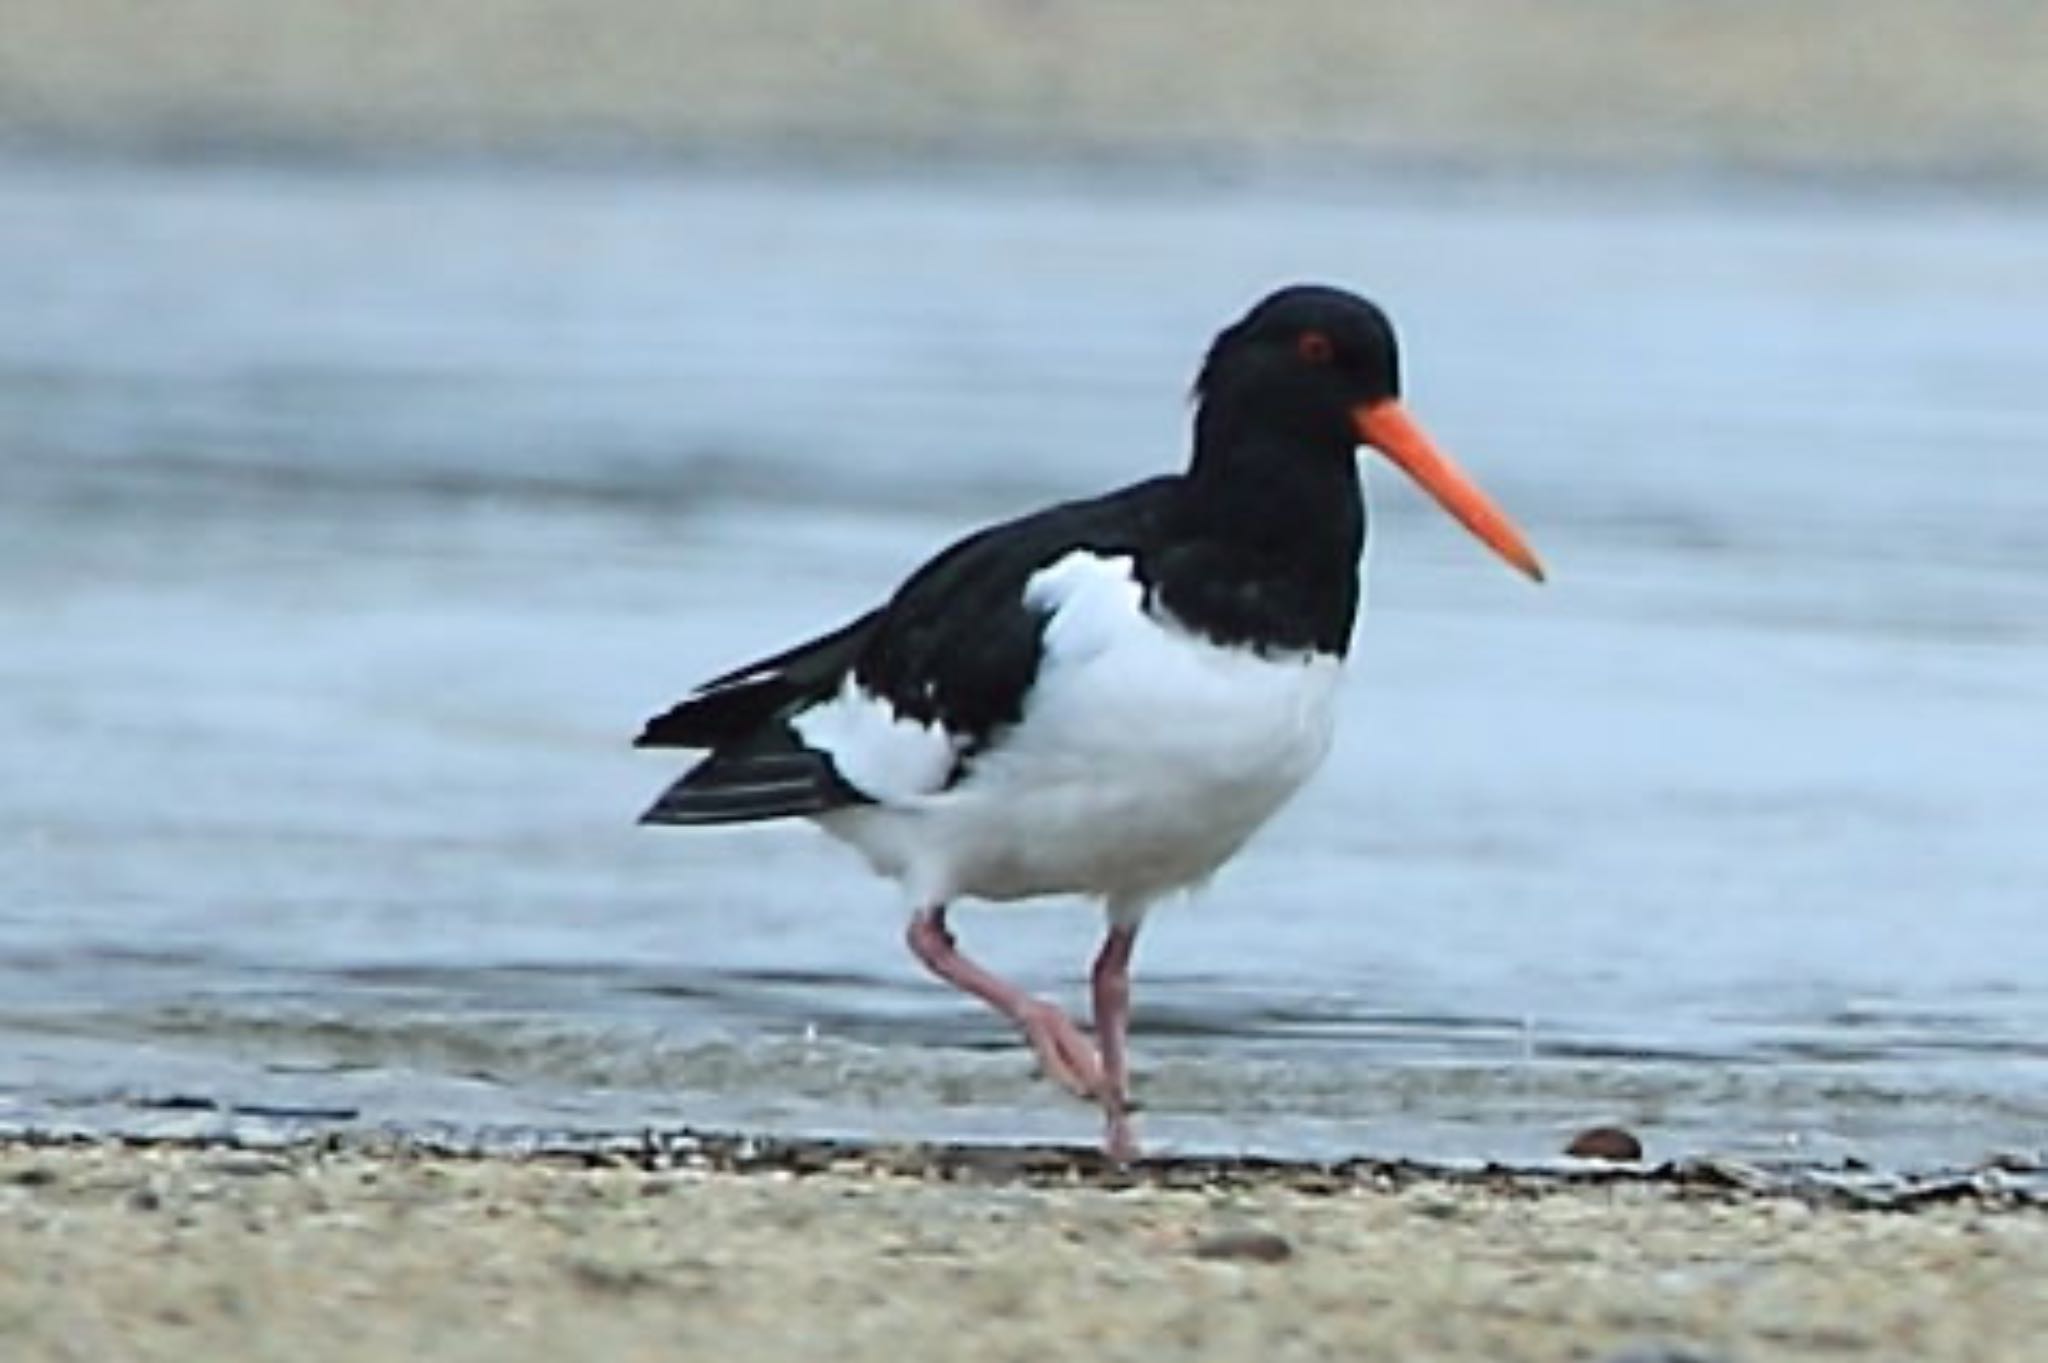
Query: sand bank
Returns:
{"type": "Point", "coordinates": [313, 1253]}
{"type": "Point", "coordinates": [1920, 87]}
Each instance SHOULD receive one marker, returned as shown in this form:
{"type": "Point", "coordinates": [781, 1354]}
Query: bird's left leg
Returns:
{"type": "Point", "coordinates": [1063, 1049]}
{"type": "Point", "coordinates": [1111, 981]}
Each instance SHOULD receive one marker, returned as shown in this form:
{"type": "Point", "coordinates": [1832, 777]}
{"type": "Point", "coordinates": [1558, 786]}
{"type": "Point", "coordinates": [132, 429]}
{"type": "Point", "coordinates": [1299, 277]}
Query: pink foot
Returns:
{"type": "Point", "coordinates": [1064, 1052]}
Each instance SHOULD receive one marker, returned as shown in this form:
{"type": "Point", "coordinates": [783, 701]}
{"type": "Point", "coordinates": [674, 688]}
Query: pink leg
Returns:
{"type": "Point", "coordinates": [1064, 1051]}
{"type": "Point", "coordinates": [1112, 981]}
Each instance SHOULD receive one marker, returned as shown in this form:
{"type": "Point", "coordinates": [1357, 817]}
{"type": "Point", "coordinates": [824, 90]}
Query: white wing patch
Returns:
{"type": "Point", "coordinates": [881, 754]}
{"type": "Point", "coordinates": [1092, 604]}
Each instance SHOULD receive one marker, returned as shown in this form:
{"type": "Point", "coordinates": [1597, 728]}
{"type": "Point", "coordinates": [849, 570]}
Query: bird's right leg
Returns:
{"type": "Point", "coordinates": [1064, 1051]}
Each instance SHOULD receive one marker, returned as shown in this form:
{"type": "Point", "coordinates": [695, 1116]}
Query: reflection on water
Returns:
{"type": "Point", "coordinates": [351, 525]}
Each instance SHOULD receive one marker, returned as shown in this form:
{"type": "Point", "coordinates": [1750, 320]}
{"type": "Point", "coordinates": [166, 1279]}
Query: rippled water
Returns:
{"type": "Point", "coordinates": [351, 523]}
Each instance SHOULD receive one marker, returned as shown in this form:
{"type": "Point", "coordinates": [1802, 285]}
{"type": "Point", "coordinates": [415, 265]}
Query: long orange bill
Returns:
{"type": "Point", "coordinates": [1387, 427]}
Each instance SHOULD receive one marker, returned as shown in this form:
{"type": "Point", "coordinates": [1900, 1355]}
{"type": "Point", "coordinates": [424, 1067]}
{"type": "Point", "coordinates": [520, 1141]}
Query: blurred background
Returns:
{"type": "Point", "coordinates": [398, 402]}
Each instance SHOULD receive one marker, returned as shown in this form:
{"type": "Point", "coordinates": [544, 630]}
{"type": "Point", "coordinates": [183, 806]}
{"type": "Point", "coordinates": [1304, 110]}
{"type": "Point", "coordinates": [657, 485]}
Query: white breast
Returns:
{"type": "Point", "coordinates": [1145, 758]}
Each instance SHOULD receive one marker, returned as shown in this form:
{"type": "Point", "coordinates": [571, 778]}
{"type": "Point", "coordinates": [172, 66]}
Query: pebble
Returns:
{"type": "Point", "coordinates": [1258, 1246]}
{"type": "Point", "coordinates": [1609, 1143]}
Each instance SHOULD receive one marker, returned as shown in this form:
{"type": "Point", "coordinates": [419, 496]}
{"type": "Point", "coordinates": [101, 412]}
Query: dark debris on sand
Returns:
{"type": "Point", "coordinates": [2005, 1181]}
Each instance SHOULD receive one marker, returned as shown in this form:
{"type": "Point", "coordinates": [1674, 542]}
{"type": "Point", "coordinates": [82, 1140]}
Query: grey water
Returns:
{"type": "Point", "coordinates": [351, 521]}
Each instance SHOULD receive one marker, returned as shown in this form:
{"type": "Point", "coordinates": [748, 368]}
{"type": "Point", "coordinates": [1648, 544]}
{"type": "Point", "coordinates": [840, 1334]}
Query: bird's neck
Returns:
{"type": "Point", "coordinates": [1286, 488]}
{"type": "Point", "coordinates": [1274, 524]}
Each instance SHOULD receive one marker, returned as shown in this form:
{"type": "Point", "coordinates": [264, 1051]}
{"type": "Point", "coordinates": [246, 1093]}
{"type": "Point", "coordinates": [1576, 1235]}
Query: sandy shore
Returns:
{"type": "Point", "coordinates": [1921, 87]}
{"type": "Point", "coordinates": [311, 1253]}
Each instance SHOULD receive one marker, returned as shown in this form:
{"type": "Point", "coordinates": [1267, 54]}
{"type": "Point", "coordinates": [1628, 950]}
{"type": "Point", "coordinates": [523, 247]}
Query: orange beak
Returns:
{"type": "Point", "coordinates": [1387, 427]}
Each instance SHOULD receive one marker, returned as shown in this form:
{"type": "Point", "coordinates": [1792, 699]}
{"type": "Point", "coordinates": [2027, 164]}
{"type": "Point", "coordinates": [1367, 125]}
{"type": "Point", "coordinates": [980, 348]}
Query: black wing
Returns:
{"type": "Point", "coordinates": [956, 646]}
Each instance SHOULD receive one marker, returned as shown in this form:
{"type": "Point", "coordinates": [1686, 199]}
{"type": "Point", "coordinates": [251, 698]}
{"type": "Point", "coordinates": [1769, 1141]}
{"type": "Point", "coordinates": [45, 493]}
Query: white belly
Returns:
{"type": "Point", "coordinates": [1145, 758]}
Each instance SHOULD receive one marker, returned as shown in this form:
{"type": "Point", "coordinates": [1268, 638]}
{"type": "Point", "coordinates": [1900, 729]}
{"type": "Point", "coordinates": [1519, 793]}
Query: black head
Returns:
{"type": "Point", "coordinates": [1308, 353]}
{"type": "Point", "coordinates": [1309, 375]}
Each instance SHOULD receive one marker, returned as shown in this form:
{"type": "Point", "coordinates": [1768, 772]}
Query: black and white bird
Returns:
{"type": "Point", "coordinates": [1107, 697]}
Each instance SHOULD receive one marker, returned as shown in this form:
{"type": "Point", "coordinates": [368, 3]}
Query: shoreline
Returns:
{"type": "Point", "coordinates": [2007, 1182]}
{"type": "Point", "coordinates": [314, 1252]}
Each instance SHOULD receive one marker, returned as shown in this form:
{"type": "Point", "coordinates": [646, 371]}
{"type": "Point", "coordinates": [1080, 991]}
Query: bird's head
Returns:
{"type": "Point", "coordinates": [1319, 369]}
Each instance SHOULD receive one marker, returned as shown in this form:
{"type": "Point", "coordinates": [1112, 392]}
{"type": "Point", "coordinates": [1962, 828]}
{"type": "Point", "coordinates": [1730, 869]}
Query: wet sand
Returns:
{"type": "Point", "coordinates": [311, 1253]}
{"type": "Point", "coordinates": [1862, 86]}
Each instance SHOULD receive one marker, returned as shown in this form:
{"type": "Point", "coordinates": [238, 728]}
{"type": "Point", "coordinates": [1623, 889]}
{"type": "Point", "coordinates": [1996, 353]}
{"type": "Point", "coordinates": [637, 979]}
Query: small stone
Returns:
{"type": "Point", "coordinates": [1609, 1143]}
{"type": "Point", "coordinates": [1258, 1246]}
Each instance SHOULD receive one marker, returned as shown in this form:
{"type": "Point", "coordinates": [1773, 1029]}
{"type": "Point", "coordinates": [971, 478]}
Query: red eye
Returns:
{"type": "Point", "coordinates": [1314, 347]}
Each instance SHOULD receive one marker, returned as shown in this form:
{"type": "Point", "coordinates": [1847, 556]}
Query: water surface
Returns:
{"type": "Point", "coordinates": [351, 524]}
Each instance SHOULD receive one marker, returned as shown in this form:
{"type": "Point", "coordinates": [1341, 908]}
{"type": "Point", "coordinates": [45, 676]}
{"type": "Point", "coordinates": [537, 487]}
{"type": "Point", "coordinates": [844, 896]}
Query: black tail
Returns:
{"type": "Point", "coordinates": [730, 708]}
{"type": "Point", "coordinates": [758, 767]}
{"type": "Point", "coordinates": [770, 776]}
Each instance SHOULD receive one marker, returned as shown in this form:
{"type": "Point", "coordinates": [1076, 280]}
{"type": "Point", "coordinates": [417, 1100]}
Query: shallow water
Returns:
{"type": "Point", "coordinates": [353, 522]}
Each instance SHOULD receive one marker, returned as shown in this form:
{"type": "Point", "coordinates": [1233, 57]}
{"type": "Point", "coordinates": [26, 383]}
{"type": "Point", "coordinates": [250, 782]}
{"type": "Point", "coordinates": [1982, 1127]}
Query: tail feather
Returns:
{"type": "Point", "coordinates": [715, 716]}
{"type": "Point", "coordinates": [730, 708]}
{"type": "Point", "coordinates": [773, 777]}
{"type": "Point", "coordinates": [758, 768]}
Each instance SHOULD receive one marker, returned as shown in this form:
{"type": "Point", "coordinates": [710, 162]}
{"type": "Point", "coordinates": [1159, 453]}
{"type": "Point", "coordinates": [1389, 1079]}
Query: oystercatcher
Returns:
{"type": "Point", "coordinates": [1106, 697]}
